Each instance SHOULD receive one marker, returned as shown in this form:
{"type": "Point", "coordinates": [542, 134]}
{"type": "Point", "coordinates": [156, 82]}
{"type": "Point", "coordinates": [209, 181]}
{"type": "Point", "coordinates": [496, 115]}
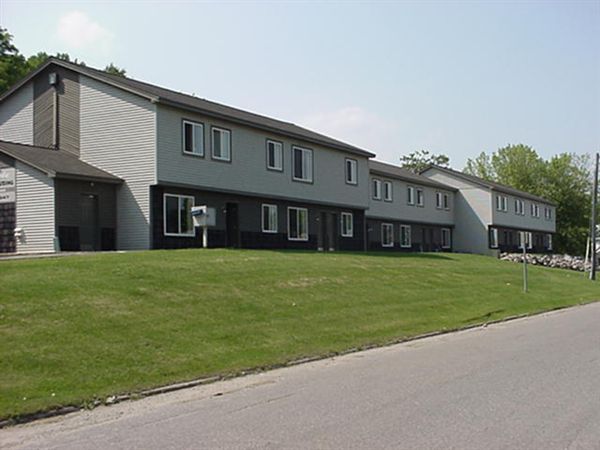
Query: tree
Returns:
{"type": "Point", "coordinates": [481, 167]}
{"type": "Point", "coordinates": [421, 159]}
{"type": "Point", "coordinates": [114, 70]}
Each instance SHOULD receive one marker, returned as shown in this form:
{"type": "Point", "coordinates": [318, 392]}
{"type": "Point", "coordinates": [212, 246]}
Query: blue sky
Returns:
{"type": "Point", "coordinates": [393, 77]}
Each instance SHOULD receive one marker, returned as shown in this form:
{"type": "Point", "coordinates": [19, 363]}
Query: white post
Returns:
{"type": "Point", "coordinates": [205, 237]}
{"type": "Point", "coordinates": [524, 264]}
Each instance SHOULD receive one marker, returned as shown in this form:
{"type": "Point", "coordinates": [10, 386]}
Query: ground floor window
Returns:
{"type": "Point", "coordinates": [177, 213]}
{"type": "Point", "coordinates": [269, 218]}
{"type": "Point", "coordinates": [549, 242]}
{"type": "Point", "coordinates": [297, 224]}
{"type": "Point", "coordinates": [387, 235]}
{"type": "Point", "coordinates": [405, 237]}
{"type": "Point", "coordinates": [347, 225]}
{"type": "Point", "coordinates": [446, 242]}
{"type": "Point", "coordinates": [494, 237]}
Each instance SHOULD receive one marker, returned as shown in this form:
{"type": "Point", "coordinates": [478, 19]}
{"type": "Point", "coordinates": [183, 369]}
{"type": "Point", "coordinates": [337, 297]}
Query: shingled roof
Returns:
{"type": "Point", "coordinates": [56, 163]}
{"type": "Point", "coordinates": [166, 96]}
{"type": "Point", "coordinates": [392, 171]}
{"type": "Point", "coordinates": [490, 184]}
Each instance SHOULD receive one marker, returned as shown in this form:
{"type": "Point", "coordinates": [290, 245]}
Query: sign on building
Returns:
{"type": "Point", "coordinates": [7, 185]}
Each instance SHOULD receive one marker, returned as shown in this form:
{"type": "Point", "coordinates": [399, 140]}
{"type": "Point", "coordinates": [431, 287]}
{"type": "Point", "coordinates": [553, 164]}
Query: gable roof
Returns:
{"type": "Point", "coordinates": [392, 171]}
{"type": "Point", "coordinates": [55, 163]}
{"type": "Point", "coordinates": [490, 184]}
{"type": "Point", "coordinates": [169, 97]}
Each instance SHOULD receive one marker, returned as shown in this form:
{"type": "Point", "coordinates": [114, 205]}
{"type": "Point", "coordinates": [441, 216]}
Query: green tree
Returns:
{"type": "Point", "coordinates": [519, 166]}
{"type": "Point", "coordinates": [481, 167]}
{"type": "Point", "coordinates": [421, 159]}
{"type": "Point", "coordinates": [114, 70]}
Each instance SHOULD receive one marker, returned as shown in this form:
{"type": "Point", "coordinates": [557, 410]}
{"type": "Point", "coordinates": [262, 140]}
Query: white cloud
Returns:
{"type": "Point", "coordinates": [78, 31]}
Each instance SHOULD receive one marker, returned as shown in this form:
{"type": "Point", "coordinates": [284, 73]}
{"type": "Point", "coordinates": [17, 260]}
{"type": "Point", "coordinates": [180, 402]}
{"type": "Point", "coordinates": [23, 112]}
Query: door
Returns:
{"type": "Point", "coordinates": [232, 225]}
{"type": "Point", "coordinates": [88, 226]}
{"type": "Point", "coordinates": [327, 231]}
{"type": "Point", "coordinates": [427, 239]}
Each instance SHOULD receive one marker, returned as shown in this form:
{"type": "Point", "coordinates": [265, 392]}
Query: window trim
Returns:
{"type": "Point", "coordinates": [297, 208]}
{"type": "Point", "coordinates": [351, 232]}
{"type": "Point", "coordinates": [410, 195]}
{"type": "Point", "coordinates": [389, 198]}
{"type": "Point", "coordinates": [214, 128]}
{"type": "Point", "coordinates": [439, 200]}
{"type": "Point", "coordinates": [193, 123]}
{"type": "Point", "coordinates": [422, 203]}
{"type": "Point", "coordinates": [384, 225]}
{"type": "Point", "coordinates": [376, 195]}
{"type": "Point", "coordinates": [409, 245]}
{"type": "Point", "coordinates": [274, 141]}
{"type": "Point", "coordinates": [449, 243]}
{"type": "Point", "coordinates": [355, 162]}
{"type": "Point", "coordinates": [178, 197]}
{"type": "Point", "coordinates": [312, 165]}
{"type": "Point", "coordinates": [262, 218]}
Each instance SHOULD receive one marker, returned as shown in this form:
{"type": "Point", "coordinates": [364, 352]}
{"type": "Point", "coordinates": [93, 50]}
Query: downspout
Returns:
{"type": "Point", "coordinates": [53, 80]}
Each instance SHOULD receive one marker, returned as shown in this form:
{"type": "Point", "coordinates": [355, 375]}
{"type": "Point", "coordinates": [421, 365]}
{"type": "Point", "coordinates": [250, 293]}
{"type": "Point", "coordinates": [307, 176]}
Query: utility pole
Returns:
{"type": "Point", "coordinates": [593, 224]}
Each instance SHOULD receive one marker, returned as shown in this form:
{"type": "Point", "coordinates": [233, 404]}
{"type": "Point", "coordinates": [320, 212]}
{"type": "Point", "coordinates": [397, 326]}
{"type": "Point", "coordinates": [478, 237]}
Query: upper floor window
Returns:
{"type": "Point", "coordinates": [410, 195]}
{"type": "Point", "coordinates": [446, 201]}
{"type": "Point", "coordinates": [269, 218]}
{"type": "Point", "coordinates": [351, 171]}
{"type": "Point", "coordinates": [439, 200]}
{"type": "Point", "coordinates": [302, 164]}
{"type": "Point", "coordinates": [519, 207]}
{"type": "Point", "coordinates": [548, 213]}
{"type": "Point", "coordinates": [221, 144]}
{"type": "Point", "coordinates": [193, 138]}
{"type": "Point", "coordinates": [387, 191]}
{"type": "Point", "coordinates": [274, 155]}
{"type": "Point", "coordinates": [376, 189]}
{"type": "Point", "coordinates": [177, 215]}
{"type": "Point", "coordinates": [420, 197]}
{"type": "Point", "coordinates": [501, 203]}
{"type": "Point", "coordinates": [347, 225]}
{"type": "Point", "coordinates": [535, 210]}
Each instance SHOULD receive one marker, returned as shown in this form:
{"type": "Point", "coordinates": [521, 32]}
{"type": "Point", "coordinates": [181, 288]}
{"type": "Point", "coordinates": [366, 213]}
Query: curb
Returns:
{"type": "Point", "coordinates": [114, 399]}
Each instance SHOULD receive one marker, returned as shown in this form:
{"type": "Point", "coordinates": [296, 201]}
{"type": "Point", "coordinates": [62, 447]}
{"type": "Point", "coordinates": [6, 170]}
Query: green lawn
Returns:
{"type": "Point", "coordinates": [77, 328]}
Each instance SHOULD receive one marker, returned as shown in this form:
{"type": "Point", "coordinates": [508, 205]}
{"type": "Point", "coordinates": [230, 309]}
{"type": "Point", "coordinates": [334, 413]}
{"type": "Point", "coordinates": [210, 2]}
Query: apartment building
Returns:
{"type": "Point", "coordinates": [491, 217]}
{"type": "Point", "coordinates": [407, 211]}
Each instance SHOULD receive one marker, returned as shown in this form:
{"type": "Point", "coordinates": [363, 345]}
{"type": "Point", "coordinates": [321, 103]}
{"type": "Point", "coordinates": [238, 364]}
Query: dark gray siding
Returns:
{"type": "Point", "coordinates": [68, 110]}
{"type": "Point", "coordinates": [8, 217]}
{"type": "Point", "coordinates": [424, 237]}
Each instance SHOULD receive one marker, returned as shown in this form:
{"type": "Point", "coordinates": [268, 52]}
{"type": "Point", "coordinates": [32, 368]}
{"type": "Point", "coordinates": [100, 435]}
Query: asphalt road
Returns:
{"type": "Point", "coordinates": [531, 384]}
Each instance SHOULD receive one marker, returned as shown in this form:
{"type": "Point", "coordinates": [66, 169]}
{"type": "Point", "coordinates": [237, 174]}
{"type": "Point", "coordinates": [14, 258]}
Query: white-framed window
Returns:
{"type": "Point", "coordinates": [351, 166]}
{"type": "Point", "coordinates": [439, 200]}
{"type": "Point", "coordinates": [274, 155]}
{"type": "Point", "coordinates": [410, 195]}
{"type": "Point", "coordinates": [529, 239]}
{"type": "Point", "coordinates": [501, 203]}
{"type": "Point", "coordinates": [269, 218]}
{"type": "Point", "coordinates": [494, 237]}
{"type": "Point", "coordinates": [405, 236]}
{"type": "Point", "coordinates": [347, 224]}
{"type": "Point", "coordinates": [387, 191]}
{"type": "Point", "coordinates": [193, 138]}
{"type": "Point", "coordinates": [548, 242]}
{"type": "Point", "coordinates": [177, 215]}
{"type": "Point", "coordinates": [297, 224]}
{"type": "Point", "coordinates": [221, 144]}
{"type": "Point", "coordinates": [535, 210]}
{"type": "Point", "coordinates": [548, 214]}
{"type": "Point", "coordinates": [519, 207]}
{"type": "Point", "coordinates": [302, 162]}
{"type": "Point", "coordinates": [376, 189]}
{"type": "Point", "coordinates": [446, 238]}
{"type": "Point", "coordinates": [387, 235]}
{"type": "Point", "coordinates": [446, 201]}
{"type": "Point", "coordinates": [420, 197]}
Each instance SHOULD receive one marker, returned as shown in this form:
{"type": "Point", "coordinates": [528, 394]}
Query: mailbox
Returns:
{"type": "Point", "coordinates": [204, 216]}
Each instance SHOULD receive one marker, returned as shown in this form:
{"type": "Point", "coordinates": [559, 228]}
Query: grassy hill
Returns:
{"type": "Point", "coordinates": [77, 328]}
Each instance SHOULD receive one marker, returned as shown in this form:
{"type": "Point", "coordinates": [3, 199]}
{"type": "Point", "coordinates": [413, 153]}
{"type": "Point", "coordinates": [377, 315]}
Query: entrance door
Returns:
{"type": "Point", "coordinates": [88, 226]}
{"type": "Point", "coordinates": [327, 231]}
{"type": "Point", "coordinates": [233, 225]}
{"type": "Point", "coordinates": [427, 239]}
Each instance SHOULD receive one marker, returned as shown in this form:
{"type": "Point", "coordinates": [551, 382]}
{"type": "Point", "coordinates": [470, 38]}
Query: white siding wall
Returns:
{"type": "Point", "coordinates": [35, 210]}
{"type": "Point", "coordinates": [16, 116]}
{"type": "Point", "coordinates": [118, 134]}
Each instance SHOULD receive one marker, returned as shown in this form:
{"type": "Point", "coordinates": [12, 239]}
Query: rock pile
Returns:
{"type": "Point", "coordinates": [558, 261]}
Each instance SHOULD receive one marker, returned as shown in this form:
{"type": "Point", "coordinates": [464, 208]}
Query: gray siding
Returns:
{"type": "Point", "coordinates": [399, 209]}
{"type": "Point", "coordinates": [35, 210]}
{"type": "Point", "coordinates": [16, 116]}
{"type": "Point", "coordinates": [247, 171]}
{"type": "Point", "coordinates": [68, 110]}
{"type": "Point", "coordinates": [118, 134]}
{"type": "Point", "coordinates": [527, 222]}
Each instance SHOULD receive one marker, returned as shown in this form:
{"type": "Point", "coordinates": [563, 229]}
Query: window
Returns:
{"type": "Point", "coordinates": [420, 197]}
{"type": "Point", "coordinates": [548, 213]}
{"type": "Point", "coordinates": [387, 235]}
{"type": "Point", "coordinates": [493, 237]}
{"type": "Point", "coordinates": [387, 191]}
{"type": "Point", "coordinates": [297, 224]}
{"type": "Point", "coordinates": [193, 138]}
{"type": "Point", "coordinates": [548, 242]}
{"type": "Point", "coordinates": [274, 155]}
{"type": "Point", "coordinates": [501, 203]}
{"type": "Point", "coordinates": [446, 201]}
{"type": "Point", "coordinates": [519, 207]}
{"type": "Point", "coordinates": [439, 199]}
{"type": "Point", "coordinates": [269, 218]}
{"type": "Point", "coordinates": [303, 164]}
{"type": "Point", "coordinates": [347, 225]}
{"type": "Point", "coordinates": [221, 144]}
{"type": "Point", "coordinates": [534, 209]}
{"type": "Point", "coordinates": [446, 242]}
{"type": "Point", "coordinates": [376, 189]}
{"type": "Point", "coordinates": [177, 215]}
{"type": "Point", "coordinates": [351, 171]}
{"type": "Point", "coordinates": [410, 195]}
{"type": "Point", "coordinates": [405, 237]}
{"type": "Point", "coordinates": [528, 239]}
